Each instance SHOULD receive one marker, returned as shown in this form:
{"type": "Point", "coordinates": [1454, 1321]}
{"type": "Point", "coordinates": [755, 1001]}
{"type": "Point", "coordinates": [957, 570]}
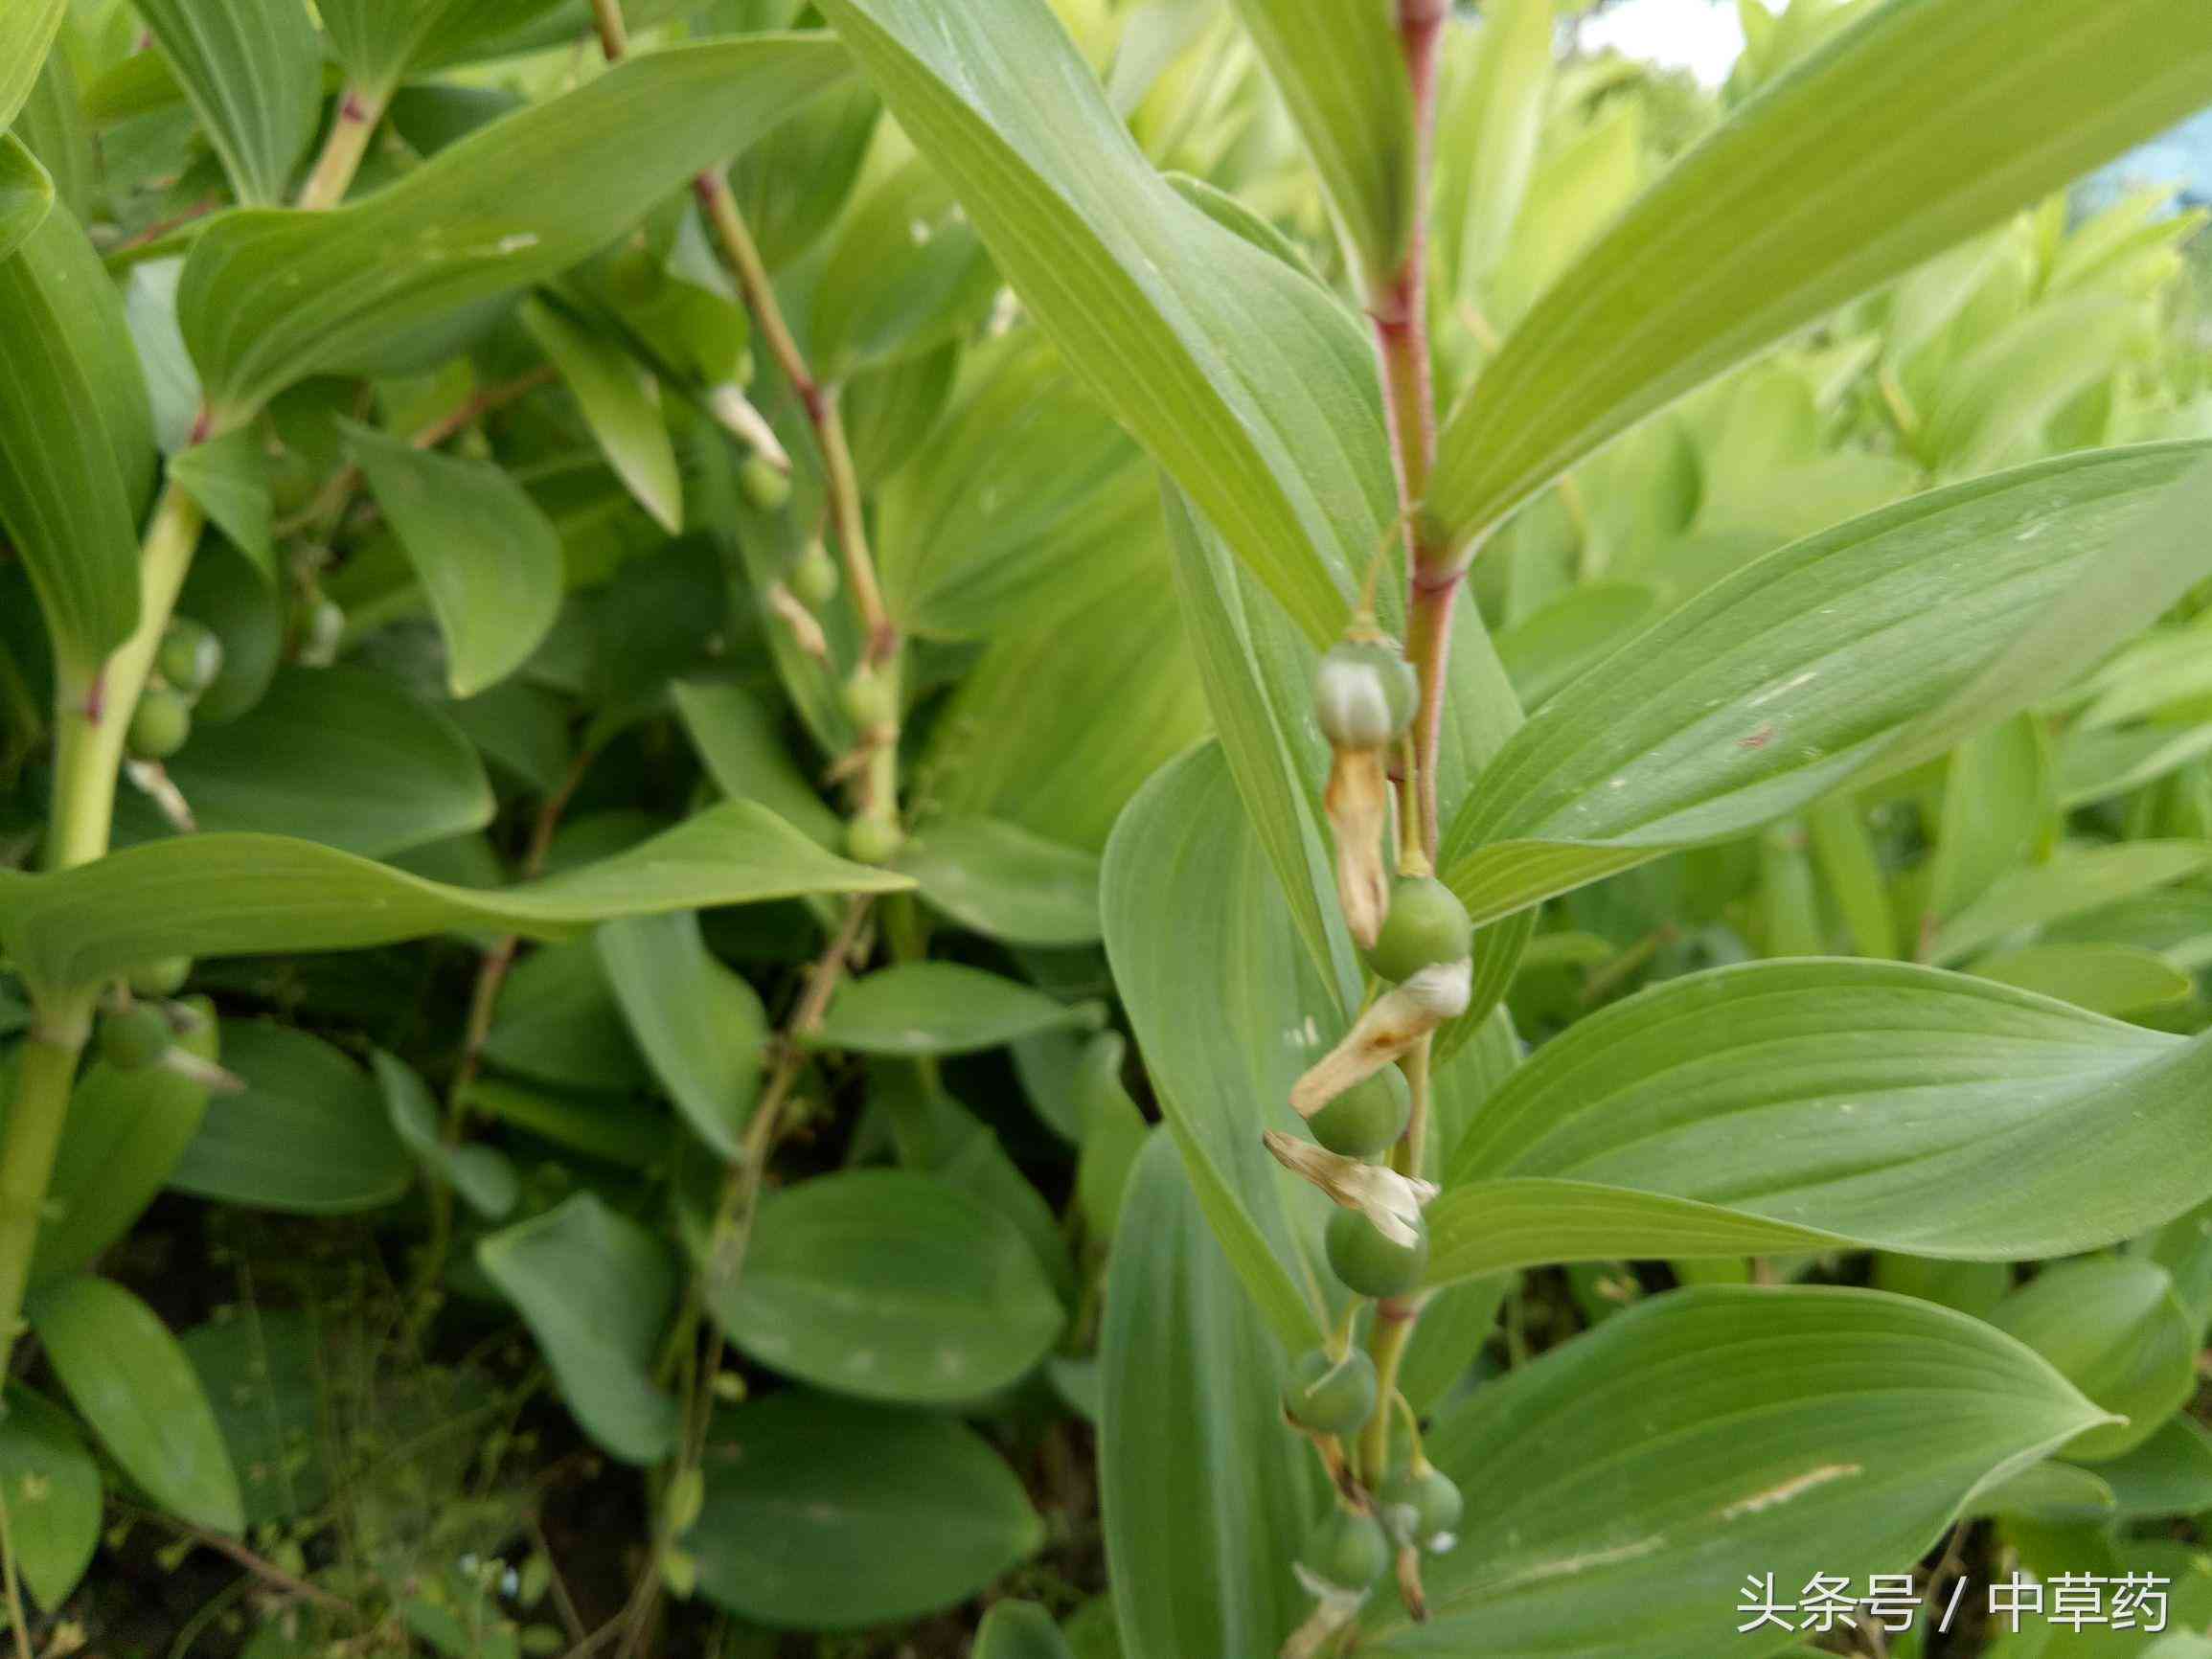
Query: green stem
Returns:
{"type": "Point", "coordinates": [1386, 1345]}
{"type": "Point", "coordinates": [46, 1074]}
{"type": "Point", "coordinates": [360, 110]}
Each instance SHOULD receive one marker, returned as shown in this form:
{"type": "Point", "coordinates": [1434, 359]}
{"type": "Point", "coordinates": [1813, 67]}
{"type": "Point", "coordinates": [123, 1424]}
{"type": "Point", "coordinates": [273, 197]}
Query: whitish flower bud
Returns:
{"type": "Point", "coordinates": [1364, 693]}
{"type": "Point", "coordinates": [1358, 802]}
{"type": "Point", "coordinates": [1393, 1023]}
{"type": "Point", "coordinates": [1390, 1201]}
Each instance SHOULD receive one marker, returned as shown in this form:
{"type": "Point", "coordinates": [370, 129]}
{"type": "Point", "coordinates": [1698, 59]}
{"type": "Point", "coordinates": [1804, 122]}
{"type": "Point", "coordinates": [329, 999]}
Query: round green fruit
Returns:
{"type": "Point", "coordinates": [1422, 1506]}
{"type": "Point", "coordinates": [1364, 693]}
{"type": "Point", "coordinates": [814, 579]}
{"type": "Point", "coordinates": [1426, 925]}
{"type": "Point", "coordinates": [160, 724]}
{"type": "Point", "coordinates": [1348, 1551]}
{"type": "Point", "coordinates": [1365, 1118]}
{"type": "Point", "coordinates": [135, 1037]}
{"type": "Point", "coordinates": [191, 656]}
{"type": "Point", "coordinates": [767, 487]}
{"type": "Point", "coordinates": [1370, 1263]}
{"type": "Point", "coordinates": [158, 979]}
{"type": "Point", "coordinates": [868, 701]}
{"type": "Point", "coordinates": [1332, 1396]}
{"type": "Point", "coordinates": [872, 841]}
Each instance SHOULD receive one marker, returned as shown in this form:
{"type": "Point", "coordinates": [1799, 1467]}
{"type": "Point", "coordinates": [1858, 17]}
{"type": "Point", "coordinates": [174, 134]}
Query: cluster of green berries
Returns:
{"type": "Point", "coordinates": [767, 489]}
{"type": "Point", "coordinates": [1416, 1505]}
{"type": "Point", "coordinates": [190, 659]}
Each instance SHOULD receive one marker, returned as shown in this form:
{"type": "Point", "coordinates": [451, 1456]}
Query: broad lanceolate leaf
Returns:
{"type": "Point", "coordinates": [1917, 126]}
{"type": "Point", "coordinates": [52, 1494]}
{"type": "Point", "coordinates": [1342, 72]}
{"type": "Point", "coordinates": [229, 477]}
{"type": "Point", "coordinates": [270, 297]}
{"type": "Point", "coordinates": [125, 1373]}
{"type": "Point", "coordinates": [936, 1008]}
{"type": "Point", "coordinates": [308, 1136]}
{"type": "Point", "coordinates": [1805, 1104]}
{"type": "Point", "coordinates": [483, 1175]}
{"type": "Point", "coordinates": [26, 29]}
{"type": "Point", "coordinates": [825, 1514]}
{"type": "Point", "coordinates": [1225, 1030]}
{"type": "Point", "coordinates": [488, 557]}
{"type": "Point", "coordinates": [1858, 651]}
{"type": "Point", "coordinates": [2076, 880]}
{"type": "Point", "coordinates": [254, 71]}
{"type": "Point", "coordinates": [1019, 1630]}
{"type": "Point", "coordinates": [2114, 1328]}
{"type": "Point", "coordinates": [1207, 1496]}
{"type": "Point", "coordinates": [242, 895]}
{"type": "Point", "coordinates": [620, 405]}
{"type": "Point", "coordinates": [596, 1289]}
{"type": "Point", "coordinates": [1244, 379]}
{"type": "Point", "coordinates": [68, 472]}
{"type": "Point", "coordinates": [890, 1286]}
{"type": "Point", "coordinates": [700, 1026]}
{"type": "Point", "coordinates": [375, 40]}
{"type": "Point", "coordinates": [1640, 1474]}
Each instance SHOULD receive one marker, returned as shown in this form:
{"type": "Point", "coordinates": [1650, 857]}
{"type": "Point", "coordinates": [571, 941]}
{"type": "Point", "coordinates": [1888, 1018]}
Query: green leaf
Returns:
{"type": "Point", "coordinates": [936, 1008]}
{"type": "Point", "coordinates": [558, 1022]}
{"type": "Point", "coordinates": [1242, 376]}
{"type": "Point", "coordinates": [1019, 1630]}
{"type": "Point", "coordinates": [269, 298]}
{"type": "Point", "coordinates": [129, 1379]}
{"type": "Point", "coordinates": [1640, 1474]}
{"type": "Point", "coordinates": [254, 72]}
{"type": "Point", "coordinates": [1791, 208]}
{"type": "Point", "coordinates": [26, 193]}
{"type": "Point", "coordinates": [1341, 71]}
{"type": "Point", "coordinates": [1799, 1105]}
{"type": "Point", "coordinates": [53, 1495]}
{"type": "Point", "coordinates": [309, 1135]}
{"type": "Point", "coordinates": [889, 1286]}
{"type": "Point", "coordinates": [483, 1175]}
{"type": "Point", "coordinates": [1021, 507]}
{"type": "Point", "coordinates": [248, 895]}
{"type": "Point", "coordinates": [2112, 1328]}
{"type": "Point", "coordinates": [1226, 1029]}
{"type": "Point", "coordinates": [125, 1132]}
{"type": "Point", "coordinates": [343, 756]}
{"type": "Point", "coordinates": [26, 32]}
{"type": "Point", "coordinates": [744, 753]}
{"type": "Point", "coordinates": [1853, 653]}
{"type": "Point", "coordinates": [229, 478]}
{"type": "Point", "coordinates": [487, 556]}
{"type": "Point", "coordinates": [2170, 1473]}
{"type": "Point", "coordinates": [595, 1290]}
{"type": "Point", "coordinates": [1487, 135]}
{"type": "Point", "coordinates": [72, 458]}
{"type": "Point", "coordinates": [1206, 1495]}
{"type": "Point", "coordinates": [265, 1382]}
{"type": "Point", "coordinates": [376, 41]}
{"type": "Point", "coordinates": [620, 405]}
{"type": "Point", "coordinates": [2109, 979]}
{"type": "Point", "coordinates": [700, 1026]}
{"type": "Point", "coordinates": [1997, 804]}
{"type": "Point", "coordinates": [903, 272]}
{"type": "Point", "coordinates": [2075, 880]}
{"type": "Point", "coordinates": [1004, 882]}
{"type": "Point", "coordinates": [822, 1514]}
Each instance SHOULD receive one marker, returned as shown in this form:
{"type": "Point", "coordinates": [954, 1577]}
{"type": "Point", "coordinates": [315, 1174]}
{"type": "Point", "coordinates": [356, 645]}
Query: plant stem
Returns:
{"type": "Point", "coordinates": [360, 110]}
{"type": "Point", "coordinates": [1395, 1317]}
{"type": "Point", "coordinates": [46, 1074]}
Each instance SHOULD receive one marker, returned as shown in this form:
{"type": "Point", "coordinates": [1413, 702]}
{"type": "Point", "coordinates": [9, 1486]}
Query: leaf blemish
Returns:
{"type": "Point", "coordinates": [1790, 1489]}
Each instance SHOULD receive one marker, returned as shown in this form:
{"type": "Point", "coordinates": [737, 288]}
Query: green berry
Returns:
{"type": "Point", "coordinates": [1422, 1506]}
{"type": "Point", "coordinates": [1348, 1551]}
{"type": "Point", "coordinates": [1370, 1263]}
{"type": "Point", "coordinates": [767, 486]}
{"type": "Point", "coordinates": [868, 701]}
{"type": "Point", "coordinates": [325, 633]}
{"type": "Point", "coordinates": [1332, 1396]}
{"type": "Point", "coordinates": [160, 724]}
{"type": "Point", "coordinates": [191, 656]}
{"type": "Point", "coordinates": [1426, 925]}
{"type": "Point", "coordinates": [872, 841]}
{"type": "Point", "coordinates": [1364, 693]}
{"type": "Point", "coordinates": [1365, 1118]}
{"type": "Point", "coordinates": [158, 979]}
{"type": "Point", "coordinates": [135, 1037]}
{"type": "Point", "coordinates": [814, 579]}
